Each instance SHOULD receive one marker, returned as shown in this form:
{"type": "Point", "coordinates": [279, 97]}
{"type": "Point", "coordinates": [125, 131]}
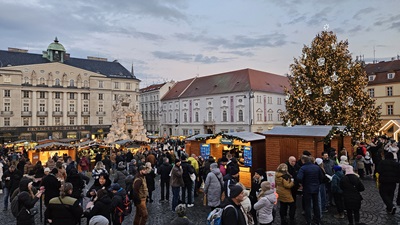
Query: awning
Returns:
{"type": "Point", "coordinates": [51, 144]}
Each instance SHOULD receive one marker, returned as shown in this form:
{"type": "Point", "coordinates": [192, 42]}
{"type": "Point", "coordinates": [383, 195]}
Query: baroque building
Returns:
{"type": "Point", "coordinates": [242, 100]}
{"type": "Point", "coordinates": [53, 95]}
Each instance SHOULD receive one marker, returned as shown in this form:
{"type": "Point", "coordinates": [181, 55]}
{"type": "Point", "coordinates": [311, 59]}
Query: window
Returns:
{"type": "Point", "coordinates": [224, 116]}
{"type": "Point", "coordinates": [25, 94]}
{"type": "Point", "coordinates": [42, 121]}
{"type": "Point", "coordinates": [7, 122]}
{"type": "Point", "coordinates": [259, 117]}
{"type": "Point", "coordinates": [185, 117]}
{"type": "Point", "coordinates": [42, 107]}
{"type": "Point", "coordinates": [389, 91]}
{"type": "Point", "coordinates": [390, 75]}
{"type": "Point", "coordinates": [71, 120]}
{"type": "Point", "coordinates": [100, 84]}
{"type": "Point", "coordinates": [100, 120]}
{"type": "Point", "coordinates": [57, 107]}
{"type": "Point", "coordinates": [279, 101]}
{"type": "Point", "coordinates": [371, 77]}
{"type": "Point", "coordinates": [72, 83]}
{"type": "Point", "coordinates": [100, 96]}
{"type": "Point", "coordinates": [116, 85]}
{"type": "Point", "coordinates": [7, 106]}
{"type": "Point", "coordinates": [390, 109]}
{"type": "Point", "coordinates": [269, 100]}
{"type": "Point", "coordinates": [128, 86]}
{"type": "Point", "coordinates": [196, 131]}
{"type": "Point", "coordinates": [85, 83]}
{"type": "Point", "coordinates": [371, 92]}
{"type": "Point", "coordinates": [26, 80]}
{"type": "Point", "coordinates": [57, 95]}
{"type": "Point", "coordinates": [240, 115]}
{"type": "Point", "coordinates": [86, 108]}
{"type": "Point", "coordinates": [185, 132]}
{"type": "Point", "coordinates": [25, 121]}
{"type": "Point", "coordinates": [209, 116]}
{"type": "Point", "coordinates": [42, 81]}
{"type": "Point", "coordinates": [85, 120]}
{"type": "Point", "coordinates": [71, 95]}
{"type": "Point", "coordinates": [57, 121]}
{"type": "Point", "coordinates": [86, 96]}
{"type": "Point", "coordinates": [7, 93]}
{"type": "Point", "coordinates": [57, 82]}
{"type": "Point", "coordinates": [72, 107]}
{"type": "Point", "coordinates": [196, 117]}
{"type": "Point", "coordinates": [26, 107]}
{"type": "Point", "coordinates": [269, 116]}
{"type": "Point", "coordinates": [100, 108]}
{"type": "Point", "coordinates": [42, 94]}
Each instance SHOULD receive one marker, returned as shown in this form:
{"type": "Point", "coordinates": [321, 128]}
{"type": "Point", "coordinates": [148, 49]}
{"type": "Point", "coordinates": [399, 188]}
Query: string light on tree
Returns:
{"type": "Point", "coordinates": [308, 91]}
{"type": "Point", "coordinates": [327, 90]}
{"type": "Point", "coordinates": [288, 123]}
{"type": "Point", "coordinates": [350, 101]}
{"type": "Point", "coordinates": [334, 77]}
{"type": "Point", "coordinates": [326, 107]}
{"type": "Point", "coordinates": [321, 61]}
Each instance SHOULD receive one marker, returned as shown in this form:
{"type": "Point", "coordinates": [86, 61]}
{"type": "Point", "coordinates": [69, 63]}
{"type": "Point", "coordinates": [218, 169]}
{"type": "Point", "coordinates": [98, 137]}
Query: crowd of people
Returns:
{"type": "Point", "coordinates": [334, 179]}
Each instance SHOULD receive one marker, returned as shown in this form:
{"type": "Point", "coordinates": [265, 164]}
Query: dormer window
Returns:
{"type": "Point", "coordinates": [72, 83]}
{"type": "Point", "coordinates": [371, 77]}
{"type": "Point", "coordinates": [390, 75]}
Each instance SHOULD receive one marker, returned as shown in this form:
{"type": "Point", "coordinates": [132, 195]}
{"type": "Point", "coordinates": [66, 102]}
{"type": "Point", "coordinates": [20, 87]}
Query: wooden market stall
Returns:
{"type": "Point", "coordinates": [193, 143]}
{"type": "Point", "coordinates": [247, 147]}
{"type": "Point", "coordinates": [44, 151]}
{"type": "Point", "coordinates": [283, 142]}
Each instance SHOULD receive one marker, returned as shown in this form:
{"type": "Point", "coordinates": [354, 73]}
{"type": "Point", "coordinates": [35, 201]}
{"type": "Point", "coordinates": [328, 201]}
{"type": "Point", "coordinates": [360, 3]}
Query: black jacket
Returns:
{"type": "Point", "coordinates": [351, 186]}
{"type": "Point", "coordinates": [164, 170]}
{"type": "Point", "coordinates": [52, 188]}
{"type": "Point", "coordinates": [187, 170]}
{"type": "Point", "coordinates": [78, 184]}
{"type": "Point", "coordinates": [101, 207]}
{"type": "Point", "coordinates": [26, 201]}
{"type": "Point", "coordinates": [64, 211]}
{"type": "Point", "coordinates": [389, 171]}
{"type": "Point", "coordinates": [230, 217]}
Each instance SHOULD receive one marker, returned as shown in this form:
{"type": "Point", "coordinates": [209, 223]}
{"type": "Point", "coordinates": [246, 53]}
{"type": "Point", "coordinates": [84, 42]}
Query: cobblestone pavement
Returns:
{"type": "Point", "coordinates": [372, 211]}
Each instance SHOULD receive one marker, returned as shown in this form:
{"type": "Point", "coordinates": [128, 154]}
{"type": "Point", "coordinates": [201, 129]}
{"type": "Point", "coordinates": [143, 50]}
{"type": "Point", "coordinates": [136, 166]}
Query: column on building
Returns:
{"type": "Point", "coordinates": [35, 120]}
{"type": "Point", "coordinates": [50, 103]}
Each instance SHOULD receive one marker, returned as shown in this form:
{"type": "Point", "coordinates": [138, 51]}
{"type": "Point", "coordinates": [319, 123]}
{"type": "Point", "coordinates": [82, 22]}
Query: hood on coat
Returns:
{"type": "Point", "coordinates": [270, 195]}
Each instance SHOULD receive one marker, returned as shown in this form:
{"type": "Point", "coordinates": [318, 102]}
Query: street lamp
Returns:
{"type": "Point", "coordinates": [251, 95]}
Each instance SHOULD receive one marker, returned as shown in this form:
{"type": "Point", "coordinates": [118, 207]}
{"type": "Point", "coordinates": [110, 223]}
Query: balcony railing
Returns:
{"type": "Point", "coordinates": [69, 113]}
{"type": "Point", "coordinates": [26, 113]}
{"type": "Point", "coordinates": [41, 113]}
{"type": "Point", "coordinates": [85, 113]}
{"type": "Point", "coordinates": [209, 122]}
{"type": "Point", "coordinates": [57, 114]}
{"type": "Point", "coordinates": [7, 113]}
{"type": "Point", "coordinates": [100, 113]}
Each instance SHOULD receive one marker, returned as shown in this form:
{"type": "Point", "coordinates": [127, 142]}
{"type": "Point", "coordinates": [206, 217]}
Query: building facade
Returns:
{"type": "Point", "coordinates": [150, 105]}
{"type": "Point", "coordinates": [243, 100]}
{"type": "Point", "coordinates": [53, 95]}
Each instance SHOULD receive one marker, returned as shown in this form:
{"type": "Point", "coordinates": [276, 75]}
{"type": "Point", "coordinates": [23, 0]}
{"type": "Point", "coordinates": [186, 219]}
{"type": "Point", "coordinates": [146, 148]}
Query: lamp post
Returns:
{"type": "Point", "coordinates": [251, 96]}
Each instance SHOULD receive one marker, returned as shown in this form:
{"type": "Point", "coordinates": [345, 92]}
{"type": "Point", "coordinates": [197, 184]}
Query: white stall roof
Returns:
{"type": "Point", "coordinates": [302, 130]}
{"type": "Point", "coordinates": [193, 138]}
{"type": "Point", "coordinates": [246, 135]}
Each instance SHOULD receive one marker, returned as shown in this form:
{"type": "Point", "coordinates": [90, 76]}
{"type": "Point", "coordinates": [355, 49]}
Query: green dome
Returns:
{"type": "Point", "coordinates": [56, 46]}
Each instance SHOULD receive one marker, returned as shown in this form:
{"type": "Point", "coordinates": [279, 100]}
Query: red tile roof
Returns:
{"type": "Point", "coordinates": [381, 70]}
{"type": "Point", "coordinates": [152, 87]}
{"type": "Point", "coordinates": [229, 82]}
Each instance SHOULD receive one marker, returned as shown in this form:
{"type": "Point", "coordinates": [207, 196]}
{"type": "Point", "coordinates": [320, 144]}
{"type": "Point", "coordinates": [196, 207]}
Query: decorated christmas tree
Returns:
{"type": "Point", "coordinates": [328, 88]}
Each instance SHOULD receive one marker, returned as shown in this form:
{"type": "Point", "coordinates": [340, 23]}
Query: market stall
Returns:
{"type": "Point", "coordinates": [247, 147]}
{"type": "Point", "coordinates": [44, 151]}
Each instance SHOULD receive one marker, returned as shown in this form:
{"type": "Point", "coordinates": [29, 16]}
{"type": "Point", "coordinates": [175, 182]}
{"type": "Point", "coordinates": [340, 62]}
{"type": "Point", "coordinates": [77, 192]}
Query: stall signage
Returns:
{"type": "Point", "coordinates": [248, 156]}
{"type": "Point", "coordinates": [226, 141]}
{"type": "Point", "coordinates": [205, 151]}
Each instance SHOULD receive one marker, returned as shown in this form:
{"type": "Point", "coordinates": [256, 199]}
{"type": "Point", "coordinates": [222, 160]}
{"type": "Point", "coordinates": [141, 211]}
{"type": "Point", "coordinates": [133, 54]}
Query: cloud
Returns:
{"type": "Point", "coordinates": [320, 17]}
{"type": "Point", "coordinates": [356, 29]}
{"type": "Point", "coordinates": [395, 25]}
{"type": "Point", "coordinates": [184, 57]}
{"type": "Point", "coordinates": [362, 12]}
{"type": "Point", "coordinates": [299, 19]}
{"type": "Point", "coordinates": [240, 53]}
{"type": "Point", "coordinates": [205, 59]}
{"type": "Point", "coordinates": [390, 21]}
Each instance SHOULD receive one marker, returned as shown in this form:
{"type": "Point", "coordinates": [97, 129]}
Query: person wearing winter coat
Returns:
{"type": "Point", "coordinates": [120, 175]}
{"type": "Point", "coordinates": [117, 203]}
{"type": "Point", "coordinates": [176, 182]}
{"type": "Point", "coordinates": [51, 186]}
{"type": "Point", "coordinates": [352, 186]}
{"type": "Point", "coordinates": [98, 169]}
{"type": "Point", "coordinates": [389, 174]}
{"type": "Point", "coordinates": [26, 200]}
{"type": "Point", "coordinates": [188, 170]}
{"type": "Point", "coordinates": [265, 204]}
{"type": "Point", "coordinates": [84, 164]}
{"type": "Point", "coordinates": [233, 213]}
{"type": "Point", "coordinates": [213, 186]}
{"type": "Point", "coordinates": [181, 219]}
{"type": "Point", "coordinates": [150, 176]}
{"type": "Point", "coordinates": [77, 182]}
{"type": "Point", "coordinates": [103, 182]}
{"type": "Point", "coordinates": [337, 191]}
{"type": "Point", "coordinates": [101, 206]}
{"type": "Point", "coordinates": [164, 170]}
{"type": "Point", "coordinates": [284, 184]}
{"type": "Point", "coordinates": [11, 179]}
{"type": "Point", "coordinates": [64, 209]}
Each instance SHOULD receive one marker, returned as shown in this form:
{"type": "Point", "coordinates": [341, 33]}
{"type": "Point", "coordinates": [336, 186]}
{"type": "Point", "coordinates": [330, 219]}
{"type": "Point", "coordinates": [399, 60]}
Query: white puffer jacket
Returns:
{"type": "Point", "coordinates": [264, 207]}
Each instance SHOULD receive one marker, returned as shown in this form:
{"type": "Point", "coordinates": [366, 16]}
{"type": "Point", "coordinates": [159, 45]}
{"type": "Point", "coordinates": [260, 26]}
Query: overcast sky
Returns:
{"type": "Point", "coordinates": [179, 39]}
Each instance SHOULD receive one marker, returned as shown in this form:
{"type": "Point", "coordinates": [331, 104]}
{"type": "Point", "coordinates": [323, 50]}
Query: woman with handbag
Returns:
{"type": "Point", "coordinates": [213, 186]}
{"type": "Point", "coordinates": [26, 203]}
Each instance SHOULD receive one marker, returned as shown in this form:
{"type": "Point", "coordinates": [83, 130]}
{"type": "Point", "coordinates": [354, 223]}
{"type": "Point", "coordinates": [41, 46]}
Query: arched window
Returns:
{"type": "Point", "coordinates": [240, 115]}
{"type": "Point", "coordinates": [224, 116]}
{"type": "Point", "coordinates": [209, 116]}
{"type": "Point", "coordinates": [85, 83]}
{"type": "Point", "coordinates": [72, 83]}
{"type": "Point", "coordinates": [57, 82]}
{"type": "Point", "coordinates": [42, 81]}
{"type": "Point", "coordinates": [196, 116]}
{"type": "Point", "coordinates": [185, 117]}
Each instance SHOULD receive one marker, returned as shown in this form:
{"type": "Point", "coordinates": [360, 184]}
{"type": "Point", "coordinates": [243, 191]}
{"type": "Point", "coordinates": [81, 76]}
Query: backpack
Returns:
{"type": "Point", "coordinates": [126, 207]}
{"type": "Point", "coordinates": [215, 216]}
{"type": "Point", "coordinates": [15, 206]}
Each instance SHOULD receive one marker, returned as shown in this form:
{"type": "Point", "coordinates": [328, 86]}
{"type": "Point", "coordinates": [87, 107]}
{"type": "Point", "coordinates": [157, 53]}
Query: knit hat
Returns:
{"type": "Point", "coordinates": [235, 191]}
{"type": "Point", "coordinates": [213, 165]}
{"type": "Point", "coordinates": [234, 171]}
{"type": "Point", "coordinates": [47, 169]}
{"type": "Point", "coordinates": [98, 220]}
{"type": "Point", "coordinates": [343, 158]}
{"type": "Point", "coordinates": [318, 161]}
{"type": "Point", "coordinates": [260, 171]}
{"type": "Point", "coordinates": [180, 209]}
{"type": "Point", "coordinates": [265, 186]}
{"type": "Point", "coordinates": [337, 168]}
{"type": "Point", "coordinates": [177, 160]}
{"type": "Point", "coordinates": [307, 153]}
{"type": "Point", "coordinates": [121, 165]}
{"type": "Point", "coordinates": [114, 187]}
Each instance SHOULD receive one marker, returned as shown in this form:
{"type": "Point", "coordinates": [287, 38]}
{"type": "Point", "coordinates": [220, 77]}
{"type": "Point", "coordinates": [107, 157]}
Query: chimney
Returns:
{"type": "Point", "coordinates": [17, 50]}
{"type": "Point", "coordinates": [97, 58]}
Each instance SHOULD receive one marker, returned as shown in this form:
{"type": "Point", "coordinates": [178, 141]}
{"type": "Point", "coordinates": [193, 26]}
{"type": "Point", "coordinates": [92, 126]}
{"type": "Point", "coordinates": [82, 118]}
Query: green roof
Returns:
{"type": "Point", "coordinates": [56, 46]}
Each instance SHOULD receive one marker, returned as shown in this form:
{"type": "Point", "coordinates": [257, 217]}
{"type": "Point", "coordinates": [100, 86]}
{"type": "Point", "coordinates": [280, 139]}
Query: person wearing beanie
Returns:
{"type": "Point", "coordinates": [352, 186]}
{"type": "Point", "coordinates": [222, 165]}
{"type": "Point", "coordinates": [213, 186]}
{"type": "Point", "coordinates": [176, 182]}
{"type": "Point", "coordinates": [51, 186]}
{"type": "Point", "coordinates": [311, 177]}
{"type": "Point", "coordinates": [181, 219]}
{"type": "Point", "coordinates": [265, 204]}
{"type": "Point", "coordinates": [388, 170]}
{"type": "Point", "coordinates": [322, 188]}
{"type": "Point", "coordinates": [258, 178]}
{"type": "Point", "coordinates": [337, 192]}
{"type": "Point", "coordinates": [98, 220]}
{"type": "Point", "coordinates": [117, 202]}
{"type": "Point", "coordinates": [230, 179]}
{"type": "Point", "coordinates": [232, 214]}
{"type": "Point", "coordinates": [120, 175]}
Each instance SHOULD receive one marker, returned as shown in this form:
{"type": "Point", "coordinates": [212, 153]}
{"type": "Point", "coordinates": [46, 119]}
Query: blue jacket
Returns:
{"type": "Point", "coordinates": [310, 176]}
{"type": "Point", "coordinates": [335, 184]}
